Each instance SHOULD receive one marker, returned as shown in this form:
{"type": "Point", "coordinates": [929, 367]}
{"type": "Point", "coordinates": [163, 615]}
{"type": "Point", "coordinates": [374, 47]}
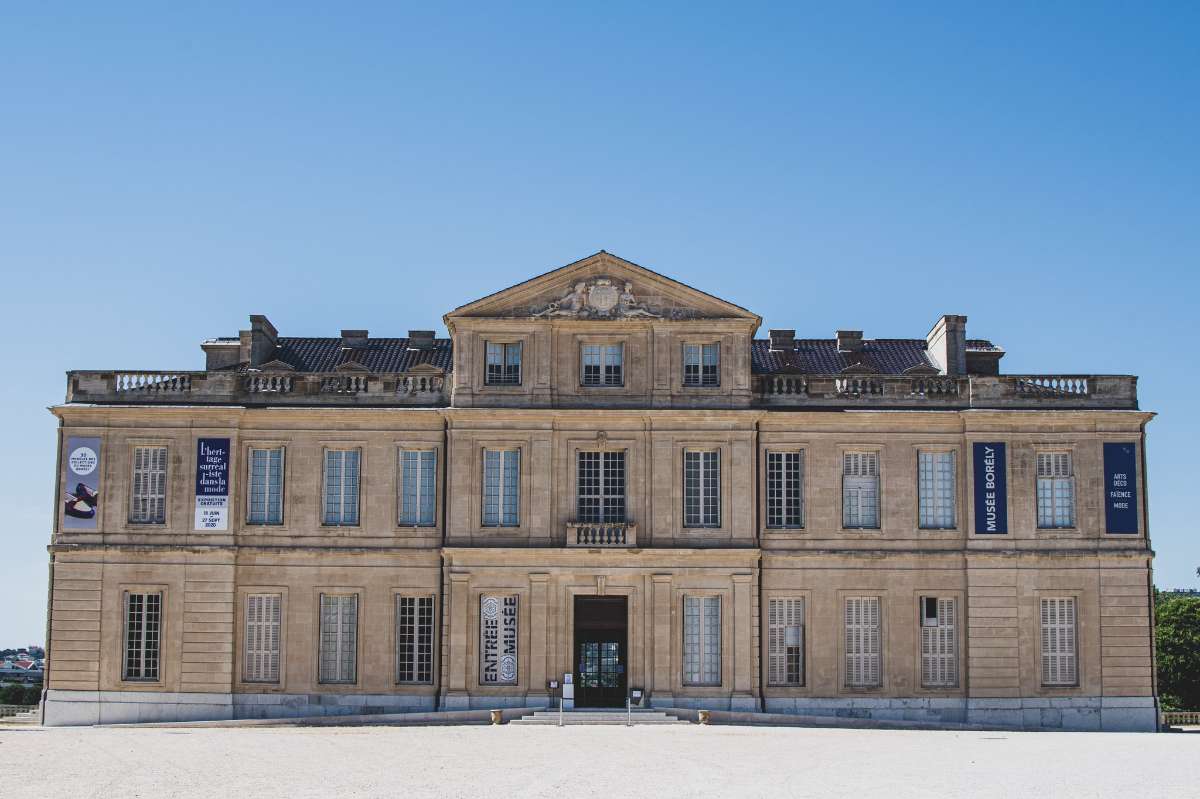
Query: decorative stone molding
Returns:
{"type": "Point", "coordinates": [601, 298]}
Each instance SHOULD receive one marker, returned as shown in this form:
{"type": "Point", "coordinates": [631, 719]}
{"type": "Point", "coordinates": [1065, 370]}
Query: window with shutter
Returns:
{"type": "Point", "coordinates": [860, 490]}
{"type": "Point", "coordinates": [939, 644]}
{"type": "Point", "coordinates": [936, 485]}
{"type": "Point", "coordinates": [785, 489]}
{"type": "Point", "coordinates": [1055, 490]}
{"type": "Point", "coordinates": [339, 638]}
{"type": "Point", "coordinates": [148, 488]}
{"type": "Point", "coordinates": [418, 483]}
{"type": "Point", "coordinates": [414, 639]}
{"type": "Point", "coordinates": [265, 497]}
{"type": "Point", "coordinates": [701, 488]}
{"type": "Point", "coordinates": [702, 640]}
{"type": "Point", "coordinates": [785, 641]}
{"type": "Point", "coordinates": [1059, 664]}
{"type": "Point", "coordinates": [501, 487]}
{"type": "Point", "coordinates": [863, 642]}
{"type": "Point", "coordinates": [143, 635]}
{"type": "Point", "coordinates": [262, 640]}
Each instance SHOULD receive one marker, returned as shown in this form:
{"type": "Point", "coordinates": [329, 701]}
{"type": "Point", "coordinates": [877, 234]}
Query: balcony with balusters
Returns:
{"type": "Point", "coordinates": [602, 535]}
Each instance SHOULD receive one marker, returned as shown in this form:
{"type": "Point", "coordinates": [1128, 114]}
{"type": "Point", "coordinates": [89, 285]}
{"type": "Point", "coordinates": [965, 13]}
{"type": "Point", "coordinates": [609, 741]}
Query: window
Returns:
{"type": "Point", "coordinates": [939, 644]}
{"type": "Point", "coordinates": [414, 639]}
{"type": "Point", "coordinates": [263, 615]}
{"type": "Point", "coordinates": [1058, 641]}
{"type": "Point", "coordinates": [501, 487]}
{"type": "Point", "coordinates": [785, 641]}
{"type": "Point", "coordinates": [601, 486]}
{"type": "Point", "coordinates": [702, 640]}
{"type": "Point", "coordinates": [701, 488]}
{"type": "Point", "coordinates": [863, 642]}
{"type": "Point", "coordinates": [148, 494]}
{"type": "Point", "coordinates": [266, 486]}
{"type": "Point", "coordinates": [339, 638]}
{"type": "Point", "coordinates": [1055, 490]}
{"type": "Point", "coordinates": [936, 484]}
{"type": "Point", "coordinates": [341, 487]}
{"type": "Point", "coordinates": [785, 489]}
{"type": "Point", "coordinates": [860, 489]}
{"type": "Point", "coordinates": [143, 632]}
{"type": "Point", "coordinates": [702, 364]}
{"type": "Point", "coordinates": [498, 620]}
{"type": "Point", "coordinates": [418, 482]}
{"type": "Point", "coordinates": [602, 365]}
{"type": "Point", "coordinates": [503, 364]}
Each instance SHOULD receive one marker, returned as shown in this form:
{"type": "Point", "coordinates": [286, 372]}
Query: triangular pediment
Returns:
{"type": "Point", "coordinates": [602, 287]}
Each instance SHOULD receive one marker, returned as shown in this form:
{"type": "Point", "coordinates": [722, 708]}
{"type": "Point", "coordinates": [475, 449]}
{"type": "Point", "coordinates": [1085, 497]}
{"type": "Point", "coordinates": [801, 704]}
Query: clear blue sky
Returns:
{"type": "Point", "coordinates": [166, 171]}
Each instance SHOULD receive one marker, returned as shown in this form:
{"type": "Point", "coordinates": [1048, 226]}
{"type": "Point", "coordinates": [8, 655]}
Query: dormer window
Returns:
{"type": "Point", "coordinates": [702, 365]}
{"type": "Point", "coordinates": [503, 364]}
{"type": "Point", "coordinates": [602, 365]}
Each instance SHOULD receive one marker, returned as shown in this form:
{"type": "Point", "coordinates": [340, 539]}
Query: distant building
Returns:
{"type": "Point", "coordinates": [603, 473]}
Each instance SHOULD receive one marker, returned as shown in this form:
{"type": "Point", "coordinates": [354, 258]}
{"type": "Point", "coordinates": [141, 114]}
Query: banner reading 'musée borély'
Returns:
{"type": "Point", "coordinates": [991, 488]}
{"type": "Point", "coordinates": [212, 484]}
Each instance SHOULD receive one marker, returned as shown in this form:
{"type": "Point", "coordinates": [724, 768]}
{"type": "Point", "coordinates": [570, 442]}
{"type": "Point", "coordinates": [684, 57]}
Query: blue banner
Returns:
{"type": "Point", "coordinates": [1120, 488]}
{"type": "Point", "coordinates": [991, 489]}
{"type": "Point", "coordinates": [212, 484]}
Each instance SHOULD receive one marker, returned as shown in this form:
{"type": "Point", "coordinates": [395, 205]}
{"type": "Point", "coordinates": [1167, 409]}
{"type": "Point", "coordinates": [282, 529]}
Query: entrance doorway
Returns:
{"type": "Point", "coordinates": [601, 640]}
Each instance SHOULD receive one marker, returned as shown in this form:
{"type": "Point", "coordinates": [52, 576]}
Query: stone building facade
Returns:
{"type": "Point", "coordinates": [602, 473]}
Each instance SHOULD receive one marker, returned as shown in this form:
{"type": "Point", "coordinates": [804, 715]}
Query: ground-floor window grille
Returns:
{"type": "Point", "coordinates": [1059, 664]}
{"type": "Point", "coordinates": [939, 643]}
{"type": "Point", "coordinates": [702, 640]}
{"type": "Point", "coordinates": [339, 638]}
{"type": "Point", "coordinates": [863, 642]}
{"type": "Point", "coordinates": [414, 639]}
{"type": "Point", "coordinates": [263, 622]}
{"type": "Point", "coordinates": [785, 641]}
{"type": "Point", "coordinates": [143, 635]}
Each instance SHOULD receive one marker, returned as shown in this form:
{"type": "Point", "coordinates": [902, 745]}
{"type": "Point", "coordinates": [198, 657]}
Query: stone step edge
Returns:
{"type": "Point", "coordinates": [418, 719]}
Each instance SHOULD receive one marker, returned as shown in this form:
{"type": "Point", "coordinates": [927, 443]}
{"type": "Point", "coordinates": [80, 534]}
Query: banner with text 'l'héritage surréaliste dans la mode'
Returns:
{"type": "Point", "coordinates": [212, 484]}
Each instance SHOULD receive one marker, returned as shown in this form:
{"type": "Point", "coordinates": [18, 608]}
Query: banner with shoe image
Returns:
{"type": "Point", "coordinates": [81, 483]}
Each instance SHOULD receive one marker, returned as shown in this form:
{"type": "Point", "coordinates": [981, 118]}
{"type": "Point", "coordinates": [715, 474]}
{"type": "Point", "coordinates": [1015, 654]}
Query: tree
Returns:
{"type": "Point", "coordinates": [1177, 643]}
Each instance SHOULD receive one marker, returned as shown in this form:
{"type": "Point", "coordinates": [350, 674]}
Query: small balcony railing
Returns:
{"type": "Point", "coordinates": [602, 535]}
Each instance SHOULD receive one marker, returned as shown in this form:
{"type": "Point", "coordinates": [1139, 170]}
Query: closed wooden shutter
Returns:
{"type": "Point", "coordinates": [785, 641]}
{"type": "Point", "coordinates": [863, 642]}
{"type": "Point", "coordinates": [1059, 663]}
{"type": "Point", "coordinates": [263, 617]}
{"type": "Point", "coordinates": [939, 644]}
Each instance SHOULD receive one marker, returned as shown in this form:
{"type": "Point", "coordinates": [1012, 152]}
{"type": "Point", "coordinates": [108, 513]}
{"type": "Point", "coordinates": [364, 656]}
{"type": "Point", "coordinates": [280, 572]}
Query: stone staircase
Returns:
{"type": "Point", "coordinates": [614, 717]}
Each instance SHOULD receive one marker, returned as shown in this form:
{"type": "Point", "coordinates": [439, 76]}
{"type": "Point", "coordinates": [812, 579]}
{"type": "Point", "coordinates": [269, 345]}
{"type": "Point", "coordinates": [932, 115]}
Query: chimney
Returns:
{"type": "Point", "coordinates": [354, 340]}
{"type": "Point", "coordinates": [420, 339]}
{"type": "Point", "coordinates": [221, 353]}
{"type": "Point", "coordinates": [849, 341]}
{"type": "Point", "coordinates": [783, 340]}
{"type": "Point", "coordinates": [257, 344]}
{"type": "Point", "coordinates": [947, 344]}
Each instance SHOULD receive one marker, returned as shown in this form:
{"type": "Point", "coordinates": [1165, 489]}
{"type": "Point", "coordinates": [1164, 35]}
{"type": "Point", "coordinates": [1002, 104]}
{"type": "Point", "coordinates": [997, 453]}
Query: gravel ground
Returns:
{"type": "Point", "coordinates": [573, 762]}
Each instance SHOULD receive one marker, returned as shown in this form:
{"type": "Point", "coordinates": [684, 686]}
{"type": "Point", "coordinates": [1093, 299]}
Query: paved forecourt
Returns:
{"type": "Point", "coordinates": [595, 761]}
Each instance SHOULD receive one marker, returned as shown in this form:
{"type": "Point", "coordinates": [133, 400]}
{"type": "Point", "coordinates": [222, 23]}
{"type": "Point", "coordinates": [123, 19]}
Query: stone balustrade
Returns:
{"type": "Point", "coordinates": [152, 382]}
{"type": "Point", "coordinates": [602, 535]}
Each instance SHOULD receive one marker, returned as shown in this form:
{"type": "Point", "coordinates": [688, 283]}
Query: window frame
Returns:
{"type": "Point", "coordinates": [165, 497]}
{"type": "Point", "coordinates": [417, 597]}
{"type": "Point", "coordinates": [358, 504]}
{"type": "Point", "coordinates": [701, 380]}
{"type": "Point", "coordinates": [145, 592]}
{"type": "Point", "coordinates": [506, 346]}
{"type": "Point", "coordinates": [702, 497]}
{"type": "Point", "coordinates": [602, 494]}
{"type": "Point", "coordinates": [1054, 480]}
{"type": "Point", "coordinates": [283, 461]}
{"type": "Point", "coordinates": [954, 498]}
{"type": "Point", "coordinates": [281, 605]}
{"type": "Point", "coordinates": [604, 350]}
{"type": "Point", "coordinates": [400, 488]}
{"type": "Point", "coordinates": [801, 495]}
{"type": "Point", "coordinates": [877, 455]}
{"type": "Point", "coordinates": [501, 487]}
{"type": "Point", "coordinates": [703, 635]}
